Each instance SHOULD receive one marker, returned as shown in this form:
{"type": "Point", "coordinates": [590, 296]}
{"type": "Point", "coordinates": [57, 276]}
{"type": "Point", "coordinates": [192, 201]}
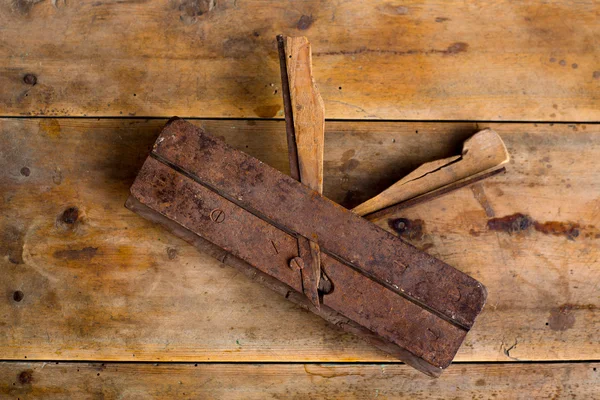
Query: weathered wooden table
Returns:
{"type": "Point", "coordinates": [99, 303]}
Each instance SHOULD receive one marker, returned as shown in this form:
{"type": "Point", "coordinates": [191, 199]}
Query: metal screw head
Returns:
{"type": "Point", "coordinates": [217, 215]}
{"type": "Point", "coordinates": [296, 263]}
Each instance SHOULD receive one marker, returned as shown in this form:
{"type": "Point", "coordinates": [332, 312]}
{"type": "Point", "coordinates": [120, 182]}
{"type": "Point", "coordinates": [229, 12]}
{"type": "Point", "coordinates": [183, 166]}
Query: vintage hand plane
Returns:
{"type": "Point", "coordinates": [283, 233]}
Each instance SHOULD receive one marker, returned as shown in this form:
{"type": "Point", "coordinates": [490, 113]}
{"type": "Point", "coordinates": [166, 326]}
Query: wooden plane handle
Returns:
{"type": "Point", "coordinates": [482, 152]}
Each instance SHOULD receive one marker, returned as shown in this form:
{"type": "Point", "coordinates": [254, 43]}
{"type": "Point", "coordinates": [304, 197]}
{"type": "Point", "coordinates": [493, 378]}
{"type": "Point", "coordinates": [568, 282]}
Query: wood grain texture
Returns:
{"type": "Point", "coordinates": [308, 112]}
{"type": "Point", "coordinates": [26, 380]}
{"type": "Point", "coordinates": [97, 282]}
{"type": "Point", "coordinates": [457, 60]}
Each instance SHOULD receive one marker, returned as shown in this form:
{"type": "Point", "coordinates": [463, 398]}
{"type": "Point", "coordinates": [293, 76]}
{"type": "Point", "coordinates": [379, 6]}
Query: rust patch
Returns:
{"type": "Point", "coordinates": [267, 111]}
{"type": "Point", "coordinates": [482, 199]}
{"type": "Point", "coordinates": [514, 223]}
{"type": "Point", "coordinates": [305, 22]}
{"type": "Point", "coordinates": [561, 318]}
{"type": "Point", "coordinates": [25, 377]}
{"type": "Point", "coordinates": [569, 229]}
{"type": "Point", "coordinates": [518, 222]}
{"type": "Point", "coordinates": [85, 254]}
{"type": "Point", "coordinates": [408, 229]}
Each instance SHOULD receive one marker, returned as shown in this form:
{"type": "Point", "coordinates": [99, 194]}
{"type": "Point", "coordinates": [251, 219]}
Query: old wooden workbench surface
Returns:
{"type": "Point", "coordinates": [98, 302]}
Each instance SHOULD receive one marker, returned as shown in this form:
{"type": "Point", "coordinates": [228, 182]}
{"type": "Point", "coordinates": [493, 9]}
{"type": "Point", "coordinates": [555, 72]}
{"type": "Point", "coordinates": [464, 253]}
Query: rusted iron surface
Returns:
{"type": "Point", "coordinates": [189, 204]}
{"type": "Point", "coordinates": [223, 223]}
{"type": "Point", "coordinates": [284, 290]}
{"type": "Point", "coordinates": [294, 208]}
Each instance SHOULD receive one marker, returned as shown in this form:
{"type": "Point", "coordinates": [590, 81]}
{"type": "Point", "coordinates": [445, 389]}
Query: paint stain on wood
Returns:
{"type": "Point", "coordinates": [408, 229]}
{"type": "Point", "coordinates": [517, 223]}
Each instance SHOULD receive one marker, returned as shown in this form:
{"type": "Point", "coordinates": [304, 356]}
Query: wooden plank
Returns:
{"type": "Point", "coordinates": [457, 60]}
{"type": "Point", "coordinates": [27, 380]}
{"type": "Point", "coordinates": [100, 283]}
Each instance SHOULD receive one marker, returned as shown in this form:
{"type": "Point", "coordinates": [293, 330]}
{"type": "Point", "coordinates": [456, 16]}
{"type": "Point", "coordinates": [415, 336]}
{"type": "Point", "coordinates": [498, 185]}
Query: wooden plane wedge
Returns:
{"type": "Point", "coordinates": [483, 155]}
